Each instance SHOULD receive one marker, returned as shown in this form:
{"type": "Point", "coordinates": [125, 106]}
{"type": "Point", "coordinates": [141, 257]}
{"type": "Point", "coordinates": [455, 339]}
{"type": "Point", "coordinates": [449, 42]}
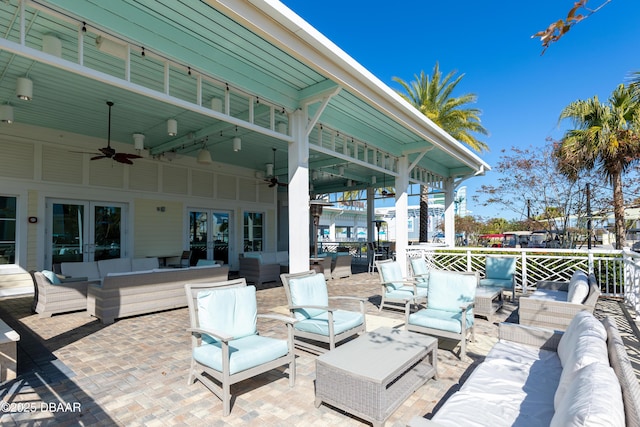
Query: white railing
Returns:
{"type": "Point", "coordinates": [617, 272]}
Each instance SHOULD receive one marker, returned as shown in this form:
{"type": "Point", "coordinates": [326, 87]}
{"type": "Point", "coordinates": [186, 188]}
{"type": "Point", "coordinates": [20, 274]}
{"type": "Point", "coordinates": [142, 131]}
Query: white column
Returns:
{"type": "Point", "coordinates": [299, 217]}
{"type": "Point", "coordinates": [371, 214]}
{"type": "Point", "coordinates": [449, 213]}
{"type": "Point", "coordinates": [402, 213]}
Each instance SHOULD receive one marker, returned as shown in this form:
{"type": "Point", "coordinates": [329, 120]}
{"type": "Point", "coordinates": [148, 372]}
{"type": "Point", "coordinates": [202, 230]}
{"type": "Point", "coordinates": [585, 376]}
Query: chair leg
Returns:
{"type": "Point", "coordinates": [192, 377]}
{"type": "Point", "coordinates": [226, 399]}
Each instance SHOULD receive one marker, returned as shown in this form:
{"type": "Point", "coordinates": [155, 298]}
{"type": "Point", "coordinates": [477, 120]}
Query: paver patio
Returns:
{"type": "Point", "coordinates": [133, 372]}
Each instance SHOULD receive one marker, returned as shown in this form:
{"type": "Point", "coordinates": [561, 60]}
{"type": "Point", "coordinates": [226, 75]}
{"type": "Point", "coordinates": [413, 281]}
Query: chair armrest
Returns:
{"type": "Point", "coordinates": [285, 319]}
{"type": "Point", "coordinates": [349, 298]}
{"type": "Point", "coordinates": [73, 279]}
{"type": "Point", "coordinates": [546, 339]}
{"type": "Point", "coordinates": [317, 307]}
{"type": "Point", "coordinates": [216, 334]}
{"type": "Point", "coordinates": [468, 306]}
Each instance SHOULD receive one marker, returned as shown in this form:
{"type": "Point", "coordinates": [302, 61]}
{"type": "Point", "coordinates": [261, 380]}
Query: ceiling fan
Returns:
{"type": "Point", "coordinates": [273, 180]}
{"type": "Point", "coordinates": [110, 153]}
{"type": "Point", "coordinates": [384, 191]}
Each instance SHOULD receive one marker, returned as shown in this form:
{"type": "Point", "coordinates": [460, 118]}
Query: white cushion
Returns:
{"type": "Point", "coordinates": [583, 323]}
{"type": "Point", "coordinates": [578, 287]}
{"type": "Point", "coordinates": [80, 269]}
{"type": "Point", "coordinates": [549, 295]}
{"type": "Point", "coordinates": [115, 265]}
{"type": "Point", "coordinates": [588, 349]}
{"type": "Point", "coordinates": [592, 399]}
{"type": "Point", "coordinates": [269, 258]}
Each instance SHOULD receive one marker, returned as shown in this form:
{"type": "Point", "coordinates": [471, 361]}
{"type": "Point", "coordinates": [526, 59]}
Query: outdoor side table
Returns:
{"type": "Point", "coordinates": [374, 374]}
{"type": "Point", "coordinates": [489, 299]}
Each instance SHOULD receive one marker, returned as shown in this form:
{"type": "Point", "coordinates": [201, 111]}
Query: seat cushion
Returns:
{"type": "Point", "coordinates": [403, 293]}
{"type": "Point", "coordinates": [549, 295]}
{"type": "Point", "coordinates": [594, 398]}
{"type": "Point", "coordinates": [232, 311]}
{"type": "Point", "coordinates": [342, 321]}
{"type": "Point", "coordinates": [441, 320]}
{"type": "Point", "coordinates": [309, 290]}
{"type": "Point", "coordinates": [244, 353]}
{"type": "Point", "coordinates": [499, 283]}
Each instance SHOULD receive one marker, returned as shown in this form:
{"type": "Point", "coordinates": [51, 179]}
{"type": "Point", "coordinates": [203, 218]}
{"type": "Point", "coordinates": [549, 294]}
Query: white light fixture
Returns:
{"type": "Point", "coordinates": [6, 113]}
{"type": "Point", "coordinates": [216, 104]}
{"type": "Point", "coordinates": [269, 169]}
{"type": "Point", "coordinates": [237, 144]}
{"type": "Point", "coordinates": [52, 45]}
{"type": "Point", "coordinates": [341, 170]}
{"type": "Point", "coordinates": [172, 127]}
{"type": "Point", "coordinates": [314, 175]}
{"type": "Point", "coordinates": [373, 179]}
{"type": "Point", "coordinates": [138, 141]}
{"type": "Point", "coordinates": [204, 156]}
{"type": "Point", "coordinates": [111, 47]}
{"type": "Point", "coordinates": [24, 88]}
{"type": "Point", "coordinates": [282, 127]}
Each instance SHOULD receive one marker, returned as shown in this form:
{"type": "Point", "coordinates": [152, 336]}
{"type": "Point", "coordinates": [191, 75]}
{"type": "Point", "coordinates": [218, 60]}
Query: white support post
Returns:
{"type": "Point", "coordinates": [371, 215]}
{"type": "Point", "coordinates": [299, 216]}
{"type": "Point", "coordinates": [449, 213]}
{"type": "Point", "coordinates": [402, 213]}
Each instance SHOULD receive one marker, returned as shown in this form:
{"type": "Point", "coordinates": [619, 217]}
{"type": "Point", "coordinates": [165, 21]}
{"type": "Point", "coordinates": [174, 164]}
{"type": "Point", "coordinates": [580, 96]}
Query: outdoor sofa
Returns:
{"type": "Point", "coordinates": [140, 292]}
{"type": "Point", "coordinates": [263, 267]}
{"type": "Point", "coordinates": [542, 377]}
{"type": "Point", "coordinates": [554, 304]}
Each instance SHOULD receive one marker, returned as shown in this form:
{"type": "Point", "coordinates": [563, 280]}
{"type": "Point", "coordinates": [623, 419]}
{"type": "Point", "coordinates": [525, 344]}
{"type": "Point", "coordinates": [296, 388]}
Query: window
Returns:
{"type": "Point", "coordinates": [7, 230]}
{"type": "Point", "coordinates": [253, 231]}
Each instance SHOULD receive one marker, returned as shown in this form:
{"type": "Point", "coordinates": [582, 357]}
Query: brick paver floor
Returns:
{"type": "Point", "coordinates": [75, 371]}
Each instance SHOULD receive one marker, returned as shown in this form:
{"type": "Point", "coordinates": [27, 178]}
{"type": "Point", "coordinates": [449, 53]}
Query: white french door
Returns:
{"type": "Point", "coordinates": [210, 234]}
{"type": "Point", "coordinates": [84, 231]}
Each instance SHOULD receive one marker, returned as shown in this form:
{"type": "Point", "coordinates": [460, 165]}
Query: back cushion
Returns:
{"type": "Point", "coordinates": [310, 290]}
{"type": "Point", "coordinates": [115, 265]}
{"type": "Point", "coordinates": [500, 267]}
{"type": "Point", "coordinates": [80, 269]}
{"type": "Point", "coordinates": [233, 310]}
{"type": "Point", "coordinates": [282, 257]}
{"type": "Point", "coordinates": [449, 290]}
{"type": "Point", "coordinates": [583, 323]}
{"type": "Point", "coordinates": [578, 287]}
{"type": "Point", "coordinates": [593, 399]}
{"type": "Point", "coordinates": [391, 274]}
{"type": "Point", "coordinates": [269, 258]}
{"type": "Point", "coordinates": [257, 255]}
{"type": "Point", "coordinates": [419, 266]}
{"type": "Point", "coordinates": [140, 264]}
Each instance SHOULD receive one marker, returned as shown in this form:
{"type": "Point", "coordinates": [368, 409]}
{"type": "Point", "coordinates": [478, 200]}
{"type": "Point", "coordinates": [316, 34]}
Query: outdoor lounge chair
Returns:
{"type": "Point", "coordinates": [52, 295]}
{"type": "Point", "coordinates": [500, 271]}
{"type": "Point", "coordinates": [420, 272]}
{"type": "Point", "coordinates": [396, 288]}
{"type": "Point", "coordinates": [225, 342]}
{"type": "Point", "coordinates": [308, 301]}
{"type": "Point", "coordinates": [449, 311]}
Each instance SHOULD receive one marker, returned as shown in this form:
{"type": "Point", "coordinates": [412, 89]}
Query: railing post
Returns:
{"type": "Point", "coordinates": [590, 261]}
{"type": "Point", "coordinates": [524, 273]}
{"type": "Point", "coordinates": [469, 266]}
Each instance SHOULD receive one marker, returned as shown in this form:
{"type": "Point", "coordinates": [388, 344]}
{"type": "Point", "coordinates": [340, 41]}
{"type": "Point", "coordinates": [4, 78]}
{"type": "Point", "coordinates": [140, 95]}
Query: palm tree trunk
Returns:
{"type": "Point", "coordinates": [618, 209]}
{"type": "Point", "coordinates": [424, 213]}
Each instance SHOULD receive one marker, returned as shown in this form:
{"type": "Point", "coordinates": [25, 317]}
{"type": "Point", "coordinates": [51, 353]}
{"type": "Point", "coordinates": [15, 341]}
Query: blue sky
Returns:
{"type": "Point", "coordinates": [520, 92]}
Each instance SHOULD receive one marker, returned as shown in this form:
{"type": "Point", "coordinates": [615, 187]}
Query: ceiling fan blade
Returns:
{"type": "Point", "coordinates": [99, 157]}
{"type": "Point", "coordinates": [126, 156]}
{"type": "Point", "coordinates": [123, 160]}
{"type": "Point", "coordinates": [283, 184]}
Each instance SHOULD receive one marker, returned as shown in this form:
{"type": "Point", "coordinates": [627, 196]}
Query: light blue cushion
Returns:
{"type": "Point", "coordinates": [420, 272]}
{"type": "Point", "coordinates": [441, 320]}
{"type": "Point", "coordinates": [53, 277]}
{"type": "Point", "coordinates": [391, 274]}
{"type": "Point", "coordinates": [310, 290]}
{"type": "Point", "coordinates": [500, 267]}
{"type": "Point", "coordinates": [448, 290]}
{"type": "Point", "coordinates": [244, 353]}
{"type": "Point", "coordinates": [257, 255]}
{"type": "Point", "coordinates": [232, 311]}
{"type": "Point", "coordinates": [498, 283]}
{"type": "Point", "coordinates": [342, 321]}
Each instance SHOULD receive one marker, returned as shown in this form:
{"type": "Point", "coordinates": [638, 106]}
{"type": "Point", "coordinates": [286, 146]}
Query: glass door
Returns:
{"type": "Point", "coordinates": [209, 234]}
{"type": "Point", "coordinates": [85, 231]}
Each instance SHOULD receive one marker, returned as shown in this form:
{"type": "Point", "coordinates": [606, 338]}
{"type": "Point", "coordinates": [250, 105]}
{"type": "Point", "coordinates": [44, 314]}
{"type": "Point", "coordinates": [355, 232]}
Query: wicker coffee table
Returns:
{"type": "Point", "coordinates": [372, 375]}
{"type": "Point", "coordinates": [489, 299]}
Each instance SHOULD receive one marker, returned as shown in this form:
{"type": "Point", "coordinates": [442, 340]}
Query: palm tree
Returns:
{"type": "Point", "coordinates": [432, 96]}
{"type": "Point", "coordinates": [606, 140]}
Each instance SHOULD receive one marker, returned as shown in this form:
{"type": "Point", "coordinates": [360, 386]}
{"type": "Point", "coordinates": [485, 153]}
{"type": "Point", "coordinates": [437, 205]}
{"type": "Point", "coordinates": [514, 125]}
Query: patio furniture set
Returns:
{"type": "Point", "coordinates": [115, 288]}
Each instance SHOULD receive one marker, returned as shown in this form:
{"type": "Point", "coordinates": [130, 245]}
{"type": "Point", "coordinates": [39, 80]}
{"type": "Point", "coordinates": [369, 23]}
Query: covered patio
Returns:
{"type": "Point", "coordinates": [134, 371]}
{"type": "Point", "coordinates": [238, 111]}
